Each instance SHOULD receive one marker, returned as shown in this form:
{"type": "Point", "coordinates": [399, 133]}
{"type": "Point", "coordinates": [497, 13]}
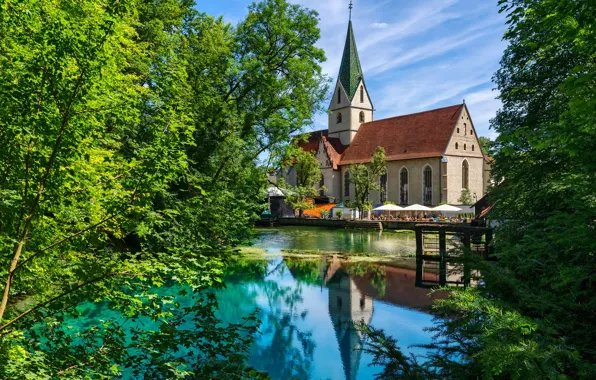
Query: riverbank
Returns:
{"type": "Point", "coordinates": [347, 224]}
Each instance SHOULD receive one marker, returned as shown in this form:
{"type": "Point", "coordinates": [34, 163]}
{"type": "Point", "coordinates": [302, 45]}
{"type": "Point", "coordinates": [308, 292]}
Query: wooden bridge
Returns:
{"type": "Point", "coordinates": [447, 250]}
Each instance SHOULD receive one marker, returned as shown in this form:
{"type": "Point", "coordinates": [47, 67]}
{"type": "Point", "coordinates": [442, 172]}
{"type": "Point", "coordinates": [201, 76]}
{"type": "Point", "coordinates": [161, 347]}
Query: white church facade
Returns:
{"type": "Point", "coordinates": [431, 156]}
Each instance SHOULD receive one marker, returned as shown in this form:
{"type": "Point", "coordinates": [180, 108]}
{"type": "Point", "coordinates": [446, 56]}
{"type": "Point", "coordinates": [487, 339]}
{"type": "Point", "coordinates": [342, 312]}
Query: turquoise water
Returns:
{"type": "Point", "coordinates": [304, 306]}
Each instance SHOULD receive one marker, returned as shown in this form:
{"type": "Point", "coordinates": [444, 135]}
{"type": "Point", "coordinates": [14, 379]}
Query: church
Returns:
{"type": "Point", "coordinates": [431, 156]}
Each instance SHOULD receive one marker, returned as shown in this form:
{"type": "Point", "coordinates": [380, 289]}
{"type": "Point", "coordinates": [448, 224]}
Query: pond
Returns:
{"type": "Point", "coordinates": [273, 240]}
{"type": "Point", "coordinates": [305, 304]}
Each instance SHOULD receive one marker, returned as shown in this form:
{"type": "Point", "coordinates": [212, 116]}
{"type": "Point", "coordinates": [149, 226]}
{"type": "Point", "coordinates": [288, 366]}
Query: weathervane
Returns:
{"type": "Point", "coordinates": [351, 6]}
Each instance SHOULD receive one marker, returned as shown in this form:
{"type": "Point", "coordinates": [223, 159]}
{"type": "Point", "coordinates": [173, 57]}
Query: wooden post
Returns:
{"type": "Point", "coordinates": [487, 248]}
{"type": "Point", "coordinates": [419, 253]}
{"type": "Point", "coordinates": [442, 257]}
{"type": "Point", "coordinates": [467, 258]}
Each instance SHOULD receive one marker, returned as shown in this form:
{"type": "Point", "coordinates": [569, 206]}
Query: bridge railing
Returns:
{"type": "Point", "coordinates": [446, 249]}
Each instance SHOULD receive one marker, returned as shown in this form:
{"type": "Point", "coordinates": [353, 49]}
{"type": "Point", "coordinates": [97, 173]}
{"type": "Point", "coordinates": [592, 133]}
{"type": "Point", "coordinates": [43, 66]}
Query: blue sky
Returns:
{"type": "Point", "coordinates": [416, 54]}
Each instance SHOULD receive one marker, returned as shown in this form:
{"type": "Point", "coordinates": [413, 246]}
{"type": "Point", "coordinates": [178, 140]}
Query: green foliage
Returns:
{"type": "Point", "coordinates": [307, 271]}
{"type": "Point", "coordinates": [486, 145]}
{"type": "Point", "coordinates": [533, 317]}
{"type": "Point", "coordinates": [544, 151]}
{"type": "Point", "coordinates": [466, 197]}
{"type": "Point", "coordinates": [366, 179]}
{"type": "Point", "coordinates": [129, 139]}
{"type": "Point", "coordinates": [308, 176]}
{"type": "Point", "coordinates": [339, 214]}
{"type": "Point", "coordinates": [387, 354]}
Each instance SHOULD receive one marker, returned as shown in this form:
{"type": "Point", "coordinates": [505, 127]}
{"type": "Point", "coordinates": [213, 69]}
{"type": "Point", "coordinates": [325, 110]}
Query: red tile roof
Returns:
{"type": "Point", "coordinates": [333, 145]}
{"type": "Point", "coordinates": [419, 135]}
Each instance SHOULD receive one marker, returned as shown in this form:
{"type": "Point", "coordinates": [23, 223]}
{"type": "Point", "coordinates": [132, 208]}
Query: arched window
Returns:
{"type": "Point", "coordinates": [465, 175]}
{"type": "Point", "coordinates": [338, 117]}
{"type": "Point", "coordinates": [457, 130]}
{"type": "Point", "coordinates": [338, 96]}
{"type": "Point", "coordinates": [471, 131]}
{"type": "Point", "coordinates": [472, 148]}
{"type": "Point", "coordinates": [403, 186]}
{"type": "Point", "coordinates": [427, 185]}
{"type": "Point", "coordinates": [383, 183]}
{"type": "Point", "coordinates": [361, 94]}
{"type": "Point", "coordinates": [456, 146]}
{"type": "Point", "coordinates": [347, 184]}
{"type": "Point", "coordinates": [465, 147]}
{"type": "Point", "coordinates": [362, 116]}
{"type": "Point", "coordinates": [465, 129]}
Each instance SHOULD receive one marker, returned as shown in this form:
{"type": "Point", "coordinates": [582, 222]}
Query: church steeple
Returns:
{"type": "Point", "coordinates": [350, 105]}
{"type": "Point", "coordinates": [350, 71]}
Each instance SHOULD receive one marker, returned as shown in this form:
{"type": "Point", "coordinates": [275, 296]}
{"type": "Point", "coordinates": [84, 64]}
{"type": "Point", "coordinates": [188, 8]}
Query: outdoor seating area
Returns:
{"type": "Point", "coordinates": [419, 213]}
{"type": "Point", "coordinates": [390, 212]}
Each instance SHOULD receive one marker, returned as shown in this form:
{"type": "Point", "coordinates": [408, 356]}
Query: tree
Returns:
{"type": "Point", "coordinates": [366, 179]}
{"type": "Point", "coordinates": [129, 139]}
{"type": "Point", "coordinates": [534, 318]}
{"type": "Point", "coordinates": [466, 197]}
{"type": "Point", "coordinates": [308, 176]}
{"type": "Point", "coordinates": [486, 145]}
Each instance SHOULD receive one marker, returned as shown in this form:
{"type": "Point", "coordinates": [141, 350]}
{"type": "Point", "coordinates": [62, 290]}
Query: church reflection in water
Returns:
{"type": "Point", "coordinates": [352, 291]}
{"type": "Point", "coordinates": [348, 304]}
{"type": "Point", "coordinates": [307, 309]}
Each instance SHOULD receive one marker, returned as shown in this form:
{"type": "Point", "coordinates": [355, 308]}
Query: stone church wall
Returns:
{"type": "Point", "coordinates": [415, 178]}
{"type": "Point", "coordinates": [454, 177]}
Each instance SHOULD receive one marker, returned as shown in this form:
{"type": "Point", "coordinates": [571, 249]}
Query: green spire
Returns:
{"type": "Point", "coordinates": [350, 71]}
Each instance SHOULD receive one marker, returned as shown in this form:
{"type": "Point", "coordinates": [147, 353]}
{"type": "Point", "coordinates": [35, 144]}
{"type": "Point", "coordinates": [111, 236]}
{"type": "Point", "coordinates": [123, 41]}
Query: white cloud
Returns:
{"type": "Point", "coordinates": [379, 25]}
{"type": "Point", "coordinates": [424, 54]}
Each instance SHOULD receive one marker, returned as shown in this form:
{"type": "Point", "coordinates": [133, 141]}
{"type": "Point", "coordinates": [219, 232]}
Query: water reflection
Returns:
{"type": "Point", "coordinates": [336, 240]}
{"type": "Point", "coordinates": [306, 306]}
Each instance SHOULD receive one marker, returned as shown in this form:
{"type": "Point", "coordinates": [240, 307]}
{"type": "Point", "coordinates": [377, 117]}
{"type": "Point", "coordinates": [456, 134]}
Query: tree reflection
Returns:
{"type": "Point", "coordinates": [282, 346]}
{"type": "Point", "coordinates": [376, 274]}
{"type": "Point", "coordinates": [306, 271]}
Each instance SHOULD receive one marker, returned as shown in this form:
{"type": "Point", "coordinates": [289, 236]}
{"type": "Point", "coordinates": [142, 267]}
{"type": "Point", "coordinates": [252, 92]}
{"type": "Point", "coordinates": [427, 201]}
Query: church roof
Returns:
{"type": "Point", "coordinates": [350, 71]}
{"type": "Point", "coordinates": [419, 135]}
{"type": "Point", "coordinates": [333, 145]}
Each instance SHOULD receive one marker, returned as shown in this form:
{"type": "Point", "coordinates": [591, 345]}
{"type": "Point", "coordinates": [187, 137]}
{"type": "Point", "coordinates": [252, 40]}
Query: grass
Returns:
{"type": "Point", "coordinates": [403, 232]}
{"type": "Point", "coordinates": [261, 253]}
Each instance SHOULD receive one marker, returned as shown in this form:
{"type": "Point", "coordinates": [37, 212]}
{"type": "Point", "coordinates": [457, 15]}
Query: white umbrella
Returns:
{"type": "Point", "coordinates": [388, 208]}
{"type": "Point", "coordinates": [274, 191]}
{"type": "Point", "coordinates": [446, 208]}
{"type": "Point", "coordinates": [417, 207]}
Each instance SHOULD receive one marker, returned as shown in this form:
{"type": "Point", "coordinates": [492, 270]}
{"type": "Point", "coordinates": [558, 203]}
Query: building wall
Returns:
{"type": "Point", "coordinates": [415, 178]}
{"type": "Point", "coordinates": [488, 182]}
{"type": "Point", "coordinates": [464, 145]}
{"type": "Point", "coordinates": [464, 141]}
{"type": "Point", "coordinates": [289, 175]}
{"type": "Point", "coordinates": [350, 111]}
{"type": "Point", "coordinates": [454, 177]}
{"type": "Point", "coordinates": [331, 178]}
